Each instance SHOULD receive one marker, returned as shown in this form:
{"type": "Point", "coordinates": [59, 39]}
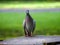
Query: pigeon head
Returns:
{"type": "Point", "coordinates": [27, 11]}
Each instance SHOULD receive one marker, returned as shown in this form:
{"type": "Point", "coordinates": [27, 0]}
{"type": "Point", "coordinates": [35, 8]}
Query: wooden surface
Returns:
{"type": "Point", "coordinates": [39, 39]}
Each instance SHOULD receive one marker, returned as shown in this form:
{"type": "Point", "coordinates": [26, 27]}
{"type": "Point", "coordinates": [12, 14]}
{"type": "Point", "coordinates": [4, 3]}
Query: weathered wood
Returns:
{"type": "Point", "coordinates": [40, 39]}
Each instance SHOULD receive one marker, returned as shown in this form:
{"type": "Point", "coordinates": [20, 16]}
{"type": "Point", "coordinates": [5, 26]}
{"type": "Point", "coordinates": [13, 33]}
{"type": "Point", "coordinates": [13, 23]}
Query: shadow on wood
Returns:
{"type": "Point", "coordinates": [52, 43]}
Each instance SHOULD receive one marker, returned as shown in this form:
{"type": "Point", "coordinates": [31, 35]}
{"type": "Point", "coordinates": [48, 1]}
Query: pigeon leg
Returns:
{"type": "Point", "coordinates": [31, 34]}
{"type": "Point", "coordinates": [26, 33]}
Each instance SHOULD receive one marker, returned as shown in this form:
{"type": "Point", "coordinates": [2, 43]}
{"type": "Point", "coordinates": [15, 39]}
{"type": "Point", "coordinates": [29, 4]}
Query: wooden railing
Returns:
{"type": "Point", "coordinates": [35, 40]}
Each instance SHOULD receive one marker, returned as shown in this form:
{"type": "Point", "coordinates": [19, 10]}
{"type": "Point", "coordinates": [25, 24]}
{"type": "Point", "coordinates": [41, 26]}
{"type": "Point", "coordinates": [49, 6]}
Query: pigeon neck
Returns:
{"type": "Point", "coordinates": [27, 14]}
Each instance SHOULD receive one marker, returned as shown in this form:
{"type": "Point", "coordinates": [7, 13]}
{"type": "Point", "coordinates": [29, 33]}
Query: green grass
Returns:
{"type": "Point", "coordinates": [47, 23]}
{"type": "Point", "coordinates": [29, 5]}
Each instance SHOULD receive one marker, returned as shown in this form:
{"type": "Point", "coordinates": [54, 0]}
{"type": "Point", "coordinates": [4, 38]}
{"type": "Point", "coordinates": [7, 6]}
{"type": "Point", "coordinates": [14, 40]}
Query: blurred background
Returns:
{"type": "Point", "coordinates": [45, 12]}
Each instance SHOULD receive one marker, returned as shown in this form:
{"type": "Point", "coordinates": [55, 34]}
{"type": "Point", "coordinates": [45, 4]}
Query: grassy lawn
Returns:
{"type": "Point", "coordinates": [47, 23]}
{"type": "Point", "coordinates": [29, 5]}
